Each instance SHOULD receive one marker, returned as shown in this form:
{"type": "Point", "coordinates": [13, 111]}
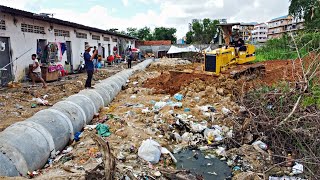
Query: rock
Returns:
{"type": "Point", "coordinates": [220, 91]}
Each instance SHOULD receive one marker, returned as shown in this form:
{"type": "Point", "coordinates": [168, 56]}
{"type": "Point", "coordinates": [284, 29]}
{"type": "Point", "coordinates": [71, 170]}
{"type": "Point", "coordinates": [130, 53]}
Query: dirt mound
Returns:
{"type": "Point", "coordinates": [170, 82]}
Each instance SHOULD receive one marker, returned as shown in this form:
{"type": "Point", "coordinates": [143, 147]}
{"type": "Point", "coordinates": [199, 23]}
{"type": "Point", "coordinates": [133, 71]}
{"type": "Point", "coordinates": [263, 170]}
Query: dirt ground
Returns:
{"type": "Point", "coordinates": [135, 115]}
{"type": "Point", "coordinates": [15, 103]}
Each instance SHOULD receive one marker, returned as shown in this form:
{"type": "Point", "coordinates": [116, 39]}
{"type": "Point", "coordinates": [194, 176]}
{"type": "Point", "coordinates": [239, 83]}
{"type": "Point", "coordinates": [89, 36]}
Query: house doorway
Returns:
{"type": "Point", "coordinates": [109, 50]}
{"type": "Point", "coordinates": [5, 60]}
{"type": "Point", "coordinates": [41, 45]}
{"type": "Point", "coordinates": [69, 54]}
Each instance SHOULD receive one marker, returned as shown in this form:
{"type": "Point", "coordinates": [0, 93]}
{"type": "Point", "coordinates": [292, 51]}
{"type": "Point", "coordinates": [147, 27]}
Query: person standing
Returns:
{"type": "Point", "coordinates": [36, 71]}
{"type": "Point", "coordinates": [88, 59]}
{"type": "Point", "coordinates": [115, 50]}
{"type": "Point", "coordinates": [130, 58]}
{"type": "Point", "coordinates": [95, 58]}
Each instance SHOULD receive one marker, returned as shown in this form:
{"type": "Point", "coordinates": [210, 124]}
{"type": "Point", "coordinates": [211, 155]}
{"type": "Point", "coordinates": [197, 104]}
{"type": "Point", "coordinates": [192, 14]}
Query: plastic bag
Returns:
{"type": "Point", "coordinates": [150, 151]}
{"type": "Point", "coordinates": [178, 97]}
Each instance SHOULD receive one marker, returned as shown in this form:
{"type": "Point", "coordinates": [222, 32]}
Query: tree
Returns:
{"type": "Point", "coordinates": [163, 33]}
{"type": "Point", "coordinates": [202, 31]}
{"type": "Point", "coordinates": [189, 37]}
{"type": "Point", "coordinates": [144, 34]}
{"type": "Point", "coordinates": [133, 32]}
{"type": "Point", "coordinates": [309, 10]}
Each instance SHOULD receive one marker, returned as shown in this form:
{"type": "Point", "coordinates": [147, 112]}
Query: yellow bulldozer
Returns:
{"type": "Point", "coordinates": [225, 57]}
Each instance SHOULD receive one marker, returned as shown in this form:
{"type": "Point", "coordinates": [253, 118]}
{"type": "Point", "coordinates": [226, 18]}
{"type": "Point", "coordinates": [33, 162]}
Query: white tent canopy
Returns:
{"type": "Point", "coordinates": [174, 49]}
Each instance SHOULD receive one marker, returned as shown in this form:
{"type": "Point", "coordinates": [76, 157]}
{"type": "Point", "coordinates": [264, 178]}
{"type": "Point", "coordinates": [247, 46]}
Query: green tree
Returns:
{"type": "Point", "coordinates": [163, 33]}
{"type": "Point", "coordinates": [133, 32]}
{"type": "Point", "coordinates": [189, 37]}
{"type": "Point", "coordinates": [144, 34]}
{"type": "Point", "coordinates": [202, 31]}
{"type": "Point", "coordinates": [309, 10]}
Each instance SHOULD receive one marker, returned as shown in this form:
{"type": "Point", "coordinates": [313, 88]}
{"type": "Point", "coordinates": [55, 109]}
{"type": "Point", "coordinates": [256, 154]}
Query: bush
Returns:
{"type": "Point", "coordinates": [283, 48]}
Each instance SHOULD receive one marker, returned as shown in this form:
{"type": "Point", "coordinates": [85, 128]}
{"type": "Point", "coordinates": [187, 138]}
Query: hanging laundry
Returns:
{"type": "Point", "coordinates": [63, 48]}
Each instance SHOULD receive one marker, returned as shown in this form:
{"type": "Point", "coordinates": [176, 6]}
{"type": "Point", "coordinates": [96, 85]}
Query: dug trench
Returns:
{"type": "Point", "coordinates": [182, 112]}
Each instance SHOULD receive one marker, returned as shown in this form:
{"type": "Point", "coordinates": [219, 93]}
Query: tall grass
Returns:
{"type": "Point", "coordinates": [282, 48]}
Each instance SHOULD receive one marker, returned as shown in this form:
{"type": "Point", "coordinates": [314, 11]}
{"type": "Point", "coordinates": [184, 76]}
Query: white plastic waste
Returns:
{"type": "Point", "coordinates": [225, 111]}
{"type": "Point", "coordinates": [159, 105]}
{"type": "Point", "coordinates": [221, 151]}
{"type": "Point", "coordinates": [186, 137]}
{"type": "Point", "coordinates": [261, 144]}
{"type": "Point", "coordinates": [145, 111]}
{"type": "Point", "coordinates": [197, 127]}
{"type": "Point", "coordinates": [150, 151]}
{"type": "Point", "coordinates": [216, 133]}
{"type": "Point", "coordinates": [166, 151]}
{"type": "Point", "coordinates": [297, 169]}
{"type": "Point", "coordinates": [40, 101]}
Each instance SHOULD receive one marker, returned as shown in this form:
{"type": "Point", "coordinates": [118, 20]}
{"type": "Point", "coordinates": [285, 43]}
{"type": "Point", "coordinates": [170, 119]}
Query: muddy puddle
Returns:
{"type": "Point", "coordinates": [210, 168]}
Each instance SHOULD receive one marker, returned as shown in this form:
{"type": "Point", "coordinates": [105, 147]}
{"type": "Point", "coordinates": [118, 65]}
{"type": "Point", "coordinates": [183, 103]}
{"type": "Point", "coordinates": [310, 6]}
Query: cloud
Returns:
{"type": "Point", "coordinates": [125, 2]}
{"type": "Point", "coordinates": [168, 13]}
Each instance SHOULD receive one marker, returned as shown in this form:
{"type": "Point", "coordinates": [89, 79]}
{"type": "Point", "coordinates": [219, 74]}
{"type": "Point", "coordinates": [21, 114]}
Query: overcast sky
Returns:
{"type": "Point", "coordinates": [106, 14]}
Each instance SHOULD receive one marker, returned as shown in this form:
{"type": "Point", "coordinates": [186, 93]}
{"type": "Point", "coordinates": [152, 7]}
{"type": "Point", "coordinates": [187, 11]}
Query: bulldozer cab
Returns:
{"type": "Point", "coordinates": [227, 32]}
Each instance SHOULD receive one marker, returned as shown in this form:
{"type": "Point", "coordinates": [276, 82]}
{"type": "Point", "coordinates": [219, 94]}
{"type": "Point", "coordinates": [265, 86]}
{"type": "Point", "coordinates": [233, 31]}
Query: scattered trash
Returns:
{"type": "Point", "coordinates": [297, 169]}
{"type": "Point", "coordinates": [77, 136]}
{"type": "Point", "coordinates": [133, 97]}
{"type": "Point", "coordinates": [150, 151]}
{"type": "Point", "coordinates": [69, 149]}
{"type": "Point", "coordinates": [157, 173]}
{"type": "Point", "coordinates": [33, 105]}
{"type": "Point", "coordinates": [221, 151]}
{"type": "Point", "coordinates": [225, 111]}
{"type": "Point", "coordinates": [261, 144]}
{"type": "Point", "coordinates": [103, 130]}
{"type": "Point", "coordinates": [178, 97]}
{"type": "Point", "coordinates": [197, 127]}
{"type": "Point", "coordinates": [145, 111]}
{"type": "Point", "coordinates": [90, 127]}
{"type": "Point", "coordinates": [41, 101]}
{"type": "Point", "coordinates": [18, 106]}
{"type": "Point", "coordinates": [166, 151]}
{"type": "Point", "coordinates": [187, 110]}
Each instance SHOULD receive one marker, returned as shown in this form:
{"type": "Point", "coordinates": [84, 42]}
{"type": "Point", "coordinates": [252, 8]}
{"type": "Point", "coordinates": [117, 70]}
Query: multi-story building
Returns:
{"type": "Point", "coordinates": [24, 33]}
{"type": "Point", "coordinates": [260, 33]}
{"type": "Point", "coordinates": [277, 27]}
{"type": "Point", "coordinates": [245, 29]}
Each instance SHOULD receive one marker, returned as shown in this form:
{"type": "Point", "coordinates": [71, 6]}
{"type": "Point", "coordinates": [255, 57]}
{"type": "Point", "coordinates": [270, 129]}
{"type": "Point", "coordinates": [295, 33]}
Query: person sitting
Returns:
{"type": "Point", "coordinates": [238, 43]}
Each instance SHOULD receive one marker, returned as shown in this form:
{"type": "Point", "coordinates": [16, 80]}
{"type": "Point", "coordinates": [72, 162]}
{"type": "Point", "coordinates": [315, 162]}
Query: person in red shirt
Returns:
{"type": "Point", "coordinates": [115, 50]}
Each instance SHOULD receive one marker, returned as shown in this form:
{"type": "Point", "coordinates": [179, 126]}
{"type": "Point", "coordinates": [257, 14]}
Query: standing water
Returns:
{"type": "Point", "coordinates": [209, 168]}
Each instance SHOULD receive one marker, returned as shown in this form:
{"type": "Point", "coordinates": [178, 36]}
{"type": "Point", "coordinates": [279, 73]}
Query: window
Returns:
{"type": "Point", "coordinates": [106, 38]}
{"type": "Point", "coordinates": [32, 29]}
{"type": "Point", "coordinates": [81, 35]}
{"type": "Point", "coordinates": [114, 40]}
{"type": "Point", "coordinates": [58, 32]}
{"type": "Point", "coordinates": [2, 25]}
{"type": "Point", "coordinates": [95, 37]}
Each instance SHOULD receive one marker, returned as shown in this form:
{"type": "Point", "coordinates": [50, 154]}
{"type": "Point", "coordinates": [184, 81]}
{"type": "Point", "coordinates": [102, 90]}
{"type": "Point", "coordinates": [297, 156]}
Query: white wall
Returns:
{"type": "Point", "coordinates": [22, 41]}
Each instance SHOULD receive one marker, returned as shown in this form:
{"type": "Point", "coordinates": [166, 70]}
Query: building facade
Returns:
{"type": "Point", "coordinates": [260, 33]}
{"type": "Point", "coordinates": [24, 33]}
{"type": "Point", "coordinates": [277, 27]}
{"type": "Point", "coordinates": [245, 29]}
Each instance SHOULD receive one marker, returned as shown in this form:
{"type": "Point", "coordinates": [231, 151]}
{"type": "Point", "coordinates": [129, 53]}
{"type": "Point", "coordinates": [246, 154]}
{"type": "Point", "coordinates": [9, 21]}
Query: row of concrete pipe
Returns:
{"type": "Point", "coordinates": [27, 145]}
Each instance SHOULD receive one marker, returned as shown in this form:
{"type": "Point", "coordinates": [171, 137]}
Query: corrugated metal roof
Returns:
{"type": "Point", "coordinates": [31, 15]}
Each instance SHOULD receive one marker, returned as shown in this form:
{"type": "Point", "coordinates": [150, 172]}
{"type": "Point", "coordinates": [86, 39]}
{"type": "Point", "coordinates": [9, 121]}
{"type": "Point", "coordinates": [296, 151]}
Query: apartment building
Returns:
{"type": "Point", "coordinates": [260, 33]}
{"type": "Point", "coordinates": [245, 29]}
{"type": "Point", "coordinates": [24, 33]}
{"type": "Point", "coordinates": [277, 27]}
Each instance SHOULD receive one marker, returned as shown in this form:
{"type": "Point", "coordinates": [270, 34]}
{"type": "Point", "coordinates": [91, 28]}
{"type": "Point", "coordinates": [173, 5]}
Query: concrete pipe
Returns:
{"type": "Point", "coordinates": [74, 112]}
{"type": "Point", "coordinates": [95, 97]}
{"type": "Point", "coordinates": [27, 145]}
{"type": "Point", "coordinates": [86, 105]}
{"type": "Point", "coordinates": [104, 94]}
